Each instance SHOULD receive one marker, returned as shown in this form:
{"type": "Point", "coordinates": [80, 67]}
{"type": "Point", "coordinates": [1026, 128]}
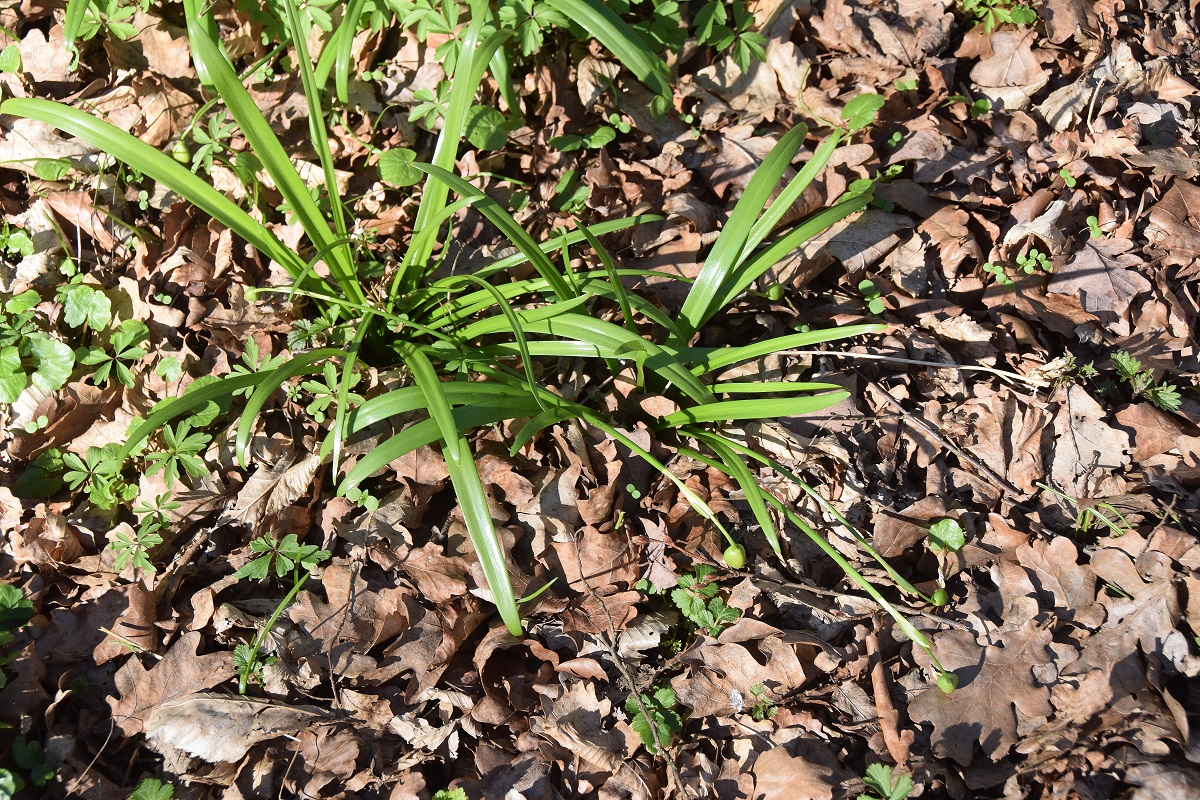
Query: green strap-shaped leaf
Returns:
{"type": "Point", "coordinates": [468, 486]}
{"type": "Point", "coordinates": [621, 40]}
{"type": "Point", "coordinates": [160, 167]}
{"type": "Point", "coordinates": [713, 281]}
{"type": "Point", "coordinates": [765, 408]}
{"type": "Point", "coordinates": [297, 365]}
{"type": "Point", "coordinates": [274, 158]}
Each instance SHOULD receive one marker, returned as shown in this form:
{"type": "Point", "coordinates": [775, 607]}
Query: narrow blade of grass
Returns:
{"type": "Point", "coordinates": [511, 229]}
{"type": "Point", "coordinates": [160, 167]}
{"type": "Point", "coordinates": [620, 39]}
{"type": "Point", "coordinates": [706, 361]}
{"type": "Point", "coordinates": [468, 486]}
{"type": "Point", "coordinates": [297, 365]}
{"type": "Point", "coordinates": [714, 279]}
{"type": "Point", "coordinates": [765, 408]}
{"type": "Point", "coordinates": [274, 158]}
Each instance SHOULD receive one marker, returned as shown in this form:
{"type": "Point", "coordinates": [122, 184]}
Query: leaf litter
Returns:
{"type": "Point", "coordinates": [1071, 621]}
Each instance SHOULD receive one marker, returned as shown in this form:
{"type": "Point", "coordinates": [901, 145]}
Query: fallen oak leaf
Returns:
{"type": "Point", "coordinates": [997, 694]}
{"type": "Point", "coordinates": [180, 672]}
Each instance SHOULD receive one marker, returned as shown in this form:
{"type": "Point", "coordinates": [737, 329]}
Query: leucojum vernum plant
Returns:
{"type": "Point", "coordinates": [469, 343]}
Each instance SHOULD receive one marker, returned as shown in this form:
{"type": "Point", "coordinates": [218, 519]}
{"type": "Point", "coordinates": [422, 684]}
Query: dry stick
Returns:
{"type": "Point", "coordinates": [929, 430]}
{"type": "Point", "coordinates": [889, 717]}
{"type": "Point", "coordinates": [609, 644]}
{"type": "Point", "coordinates": [1030, 380]}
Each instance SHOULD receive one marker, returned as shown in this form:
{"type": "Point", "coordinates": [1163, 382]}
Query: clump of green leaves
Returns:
{"type": "Point", "coordinates": [450, 794]}
{"type": "Point", "coordinates": [1141, 381]}
{"type": "Point", "coordinates": [886, 786]}
{"type": "Point", "coordinates": [29, 355]}
{"type": "Point", "coordinates": [699, 601]}
{"type": "Point", "coordinates": [729, 26]}
{"type": "Point", "coordinates": [181, 449]}
{"type": "Point", "coordinates": [15, 611]}
{"type": "Point", "coordinates": [992, 13]}
{"type": "Point", "coordinates": [137, 547]}
{"type": "Point", "coordinates": [658, 717]}
{"type": "Point", "coordinates": [975, 108]}
{"type": "Point", "coordinates": [99, 472]}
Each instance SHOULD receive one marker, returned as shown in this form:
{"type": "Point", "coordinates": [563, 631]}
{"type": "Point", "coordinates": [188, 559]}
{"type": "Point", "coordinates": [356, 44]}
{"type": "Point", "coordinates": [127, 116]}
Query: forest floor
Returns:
{"type": "Point", "coordinates": [1033, 250]}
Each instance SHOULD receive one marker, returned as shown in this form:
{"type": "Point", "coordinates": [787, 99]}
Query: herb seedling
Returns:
{"type": "Point", "coordinates": [699, 601]}
{"type": "Point", "coordinates": [659, 717]}
{"type": "Point", "coordinates": [282, 557]}
{"type": "Point", "coordinates": [153, 789]}
{"type": "Point", "coordinates": [1069, 179]}
{"type": "Point", "coordinates": [181, 450]}
{"type": "Point", "coordinates": [1165, 396]}
{"type": "Point", "coordinates": [763, 707]}
{"type": "Point", "coordinates": [879, 779]}
{"type": "Point", "coordinates": [1093, 223]}
{"type": "Point", "coordinates": [871, 296]}
{"type": "Point", "coordinates": [992, 13]}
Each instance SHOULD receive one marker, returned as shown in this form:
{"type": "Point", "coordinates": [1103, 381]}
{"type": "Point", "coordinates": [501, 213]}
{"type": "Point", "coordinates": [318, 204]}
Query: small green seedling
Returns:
{"type": "Point", "coordinates": [450, 794]}
{"type": "Point", "coordinates": [862, 111]}
{"type": "Point", "coordinates": [1165, 396]}
{"type": "Point", "coordinates": [659, 717]}
{"type": "Point", "coordinates": [871, 296]}
{"type": "Point", "coordinates": [886, 786]}
{"type": "Point", "coordinates": [30, 756]}
{"type": "Point", "coordinates": [1033, 261]}
{"type": "Point", "coordinates": [895, 138]}
{"type": "Point", "coordinates": [153, 789]}
{"type": "Point", "coordinates": [975, 108]}
{"type": "Point", "coordinates": [1093, 223]}
{"type": "Point", "coordinates": [992, 13]}
{"type": "Point", "coordinates": [763, 707]}
{"type": "Point", "coordinates": [700, 603]}
{"type": "Point", "coordinates": [282, 557]}
{"type": "Point", "coordinates": [946, 534]}
{"type": "Point", "coordinates": [1069, 179]}
{"type": "Point", "coordinates": [906, 86]}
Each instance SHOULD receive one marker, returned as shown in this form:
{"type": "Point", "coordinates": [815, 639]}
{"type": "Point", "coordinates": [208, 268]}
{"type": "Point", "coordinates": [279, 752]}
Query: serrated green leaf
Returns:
{"type": "Point", "coordinates": [152, 789]}
{"type": "Point", "coordinates": [85, 305]}
{"type": "Point", "coordinates": [862, 111]}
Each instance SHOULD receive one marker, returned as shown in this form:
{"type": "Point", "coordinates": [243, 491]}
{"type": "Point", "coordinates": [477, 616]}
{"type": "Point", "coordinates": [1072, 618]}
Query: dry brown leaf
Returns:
{"type": "Point", "coordinates": [357, 615]}
{"type": "Point", "coordinates": [1087, 451]}
{"type": "Point", "coordinates": [1144, 613]}
{"type": "Point", "coordinates": [180, 673]}
{"type": "Point", "coordinates": [778, 775]}
{"type": "Point", "coordinates": [1155, 431]}
{"type": "Point", "coordinates": [222, 728]}
{"type": "Point", "coordinates": [576, 722]}
{"type": "Point", "coordinates": [717, 668]}
{"type": "Point", "coordinates": [1011, 74]}
{"type": "Point", "coordinates": [1174, 229]}
{"type": "Point", "coordinates": [895, 532]}
{"type": "Point", "coordinates": [997, 698]}
{"type": "Point", "coordinates": [1104, 275]}
{"type": "Point", "coordinates": [438, 577]}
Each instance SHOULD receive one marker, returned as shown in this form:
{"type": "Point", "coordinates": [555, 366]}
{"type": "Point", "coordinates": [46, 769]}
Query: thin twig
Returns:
{"type": "Point", "coordinates": [932, 432]}
{"type": "Point", "coordinates": [1029, 380]}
